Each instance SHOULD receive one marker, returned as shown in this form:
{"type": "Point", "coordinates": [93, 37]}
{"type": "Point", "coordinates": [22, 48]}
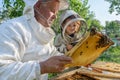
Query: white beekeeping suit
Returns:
{"type": "Point", "coordinates": [23, 44]}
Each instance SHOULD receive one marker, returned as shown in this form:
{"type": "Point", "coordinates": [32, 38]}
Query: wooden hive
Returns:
{"type": "Point", "coordinates": [95, 73]}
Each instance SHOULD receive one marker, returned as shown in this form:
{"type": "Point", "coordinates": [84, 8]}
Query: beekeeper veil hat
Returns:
{"type": "Point", "coordinates": [29, 4]}
{"type": "Point", "coordinates": [73, 16]}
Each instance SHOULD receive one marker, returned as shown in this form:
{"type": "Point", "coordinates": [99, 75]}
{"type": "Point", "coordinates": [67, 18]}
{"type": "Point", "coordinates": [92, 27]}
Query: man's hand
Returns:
{"type": "Point", "coordinates": [54, 64]}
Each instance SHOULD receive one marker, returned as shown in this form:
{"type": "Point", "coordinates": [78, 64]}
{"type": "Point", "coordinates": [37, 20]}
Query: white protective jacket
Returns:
{"type": "Point", "coordinates": [23, 44]}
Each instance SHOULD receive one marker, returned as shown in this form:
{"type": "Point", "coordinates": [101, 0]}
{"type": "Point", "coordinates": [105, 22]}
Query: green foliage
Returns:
{"type": "Point", "coordinates": [114, 6]}
{"type": "Point", "coordinates": [80, 7]}
{"type": "Point", "coordinates": [112, 54]}
{"type": "Point", "coordinates": [14, 8]}
{"type": "Point", "coordinates": [96, 23]}
{"type": "Point", "coordinates": [112, 28]}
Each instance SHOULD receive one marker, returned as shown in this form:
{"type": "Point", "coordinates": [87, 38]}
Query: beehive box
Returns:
{"type": "Point", "coordinates": [96, 73]}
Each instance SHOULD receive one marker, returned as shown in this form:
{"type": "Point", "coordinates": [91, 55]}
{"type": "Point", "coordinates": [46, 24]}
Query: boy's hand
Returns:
{"type": "Point", "coordinates": [69, 47]}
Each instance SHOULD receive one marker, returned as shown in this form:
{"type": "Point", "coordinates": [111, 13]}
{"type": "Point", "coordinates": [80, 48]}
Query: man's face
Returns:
{"type": "Point", "coordinates": [47, 10]}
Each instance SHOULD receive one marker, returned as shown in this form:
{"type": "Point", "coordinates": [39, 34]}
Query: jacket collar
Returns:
{"type": "Point", "coordinates": [43, 34]}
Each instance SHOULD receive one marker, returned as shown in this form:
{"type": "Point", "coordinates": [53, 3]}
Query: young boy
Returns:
{"type": "Point", "coordinates": [73, 28]}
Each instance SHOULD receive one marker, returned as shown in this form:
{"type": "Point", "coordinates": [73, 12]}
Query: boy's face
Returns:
{"type": "Point", "coordinates": [73, 27]}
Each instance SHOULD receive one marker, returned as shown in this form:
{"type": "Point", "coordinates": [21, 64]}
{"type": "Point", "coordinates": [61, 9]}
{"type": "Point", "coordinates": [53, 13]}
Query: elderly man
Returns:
{"type": "Point", "coordinates": [26, 43]}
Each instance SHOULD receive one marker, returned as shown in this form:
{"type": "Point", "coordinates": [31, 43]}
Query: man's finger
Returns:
{"type": "Point", "coordinates": [65, 58]}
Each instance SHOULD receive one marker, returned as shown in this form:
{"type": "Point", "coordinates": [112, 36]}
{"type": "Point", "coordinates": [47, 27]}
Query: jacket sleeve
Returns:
{"type": "Point", "coordinates": [60, 44]}
{"type": "Point", "coordinates": [13, 43]}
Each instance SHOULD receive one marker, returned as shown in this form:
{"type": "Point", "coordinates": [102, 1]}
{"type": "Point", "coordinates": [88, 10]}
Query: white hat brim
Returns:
{"type": "Point", "coordinates": [64, 4]}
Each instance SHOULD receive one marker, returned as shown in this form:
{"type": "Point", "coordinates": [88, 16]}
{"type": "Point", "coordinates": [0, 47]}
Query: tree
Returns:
{"type": "Point", "coordinates": [96, 23]}
{"type": "Point", "coordinates": [14, 8]}
{"type": "Point", "coordinates": [112, 55]}
{"type": "Point", "coordinates": [112, 28]}
{"type": "Point", "coordinates": [114, 6]}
